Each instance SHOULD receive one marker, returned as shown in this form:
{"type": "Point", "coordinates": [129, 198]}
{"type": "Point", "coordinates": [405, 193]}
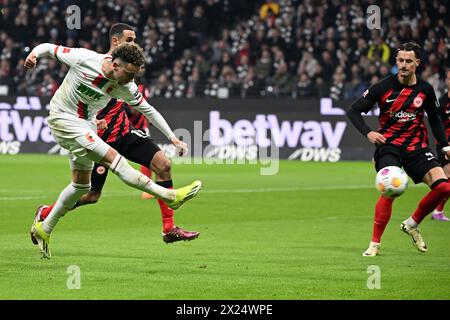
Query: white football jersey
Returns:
{"type": "Point", "coordinates": [85, 89]}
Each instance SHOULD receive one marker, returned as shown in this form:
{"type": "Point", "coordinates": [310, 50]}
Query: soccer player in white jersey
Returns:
{"type": "Point", "coordinates": [93, 79]}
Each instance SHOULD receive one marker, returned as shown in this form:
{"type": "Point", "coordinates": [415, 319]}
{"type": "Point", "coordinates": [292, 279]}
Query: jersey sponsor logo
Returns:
{"type": "Point", "coordinates": [418, 101]}
{"type": "Point", "coordinates": [404, 116]}
{"type": "Point", "coordinates": [89, 92]}
{"type": "Point", "coordinates": [66, 50]}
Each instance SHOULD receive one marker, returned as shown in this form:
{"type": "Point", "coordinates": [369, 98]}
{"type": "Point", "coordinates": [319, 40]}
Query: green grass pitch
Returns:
{"type": "Point", "coordinates": [295, 235]}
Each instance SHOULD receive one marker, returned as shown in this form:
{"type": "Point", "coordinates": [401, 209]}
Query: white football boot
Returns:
{"type": "Point", "coordinates": [373, 250]}
{"type": "Point", "coordinates": [414, 233]}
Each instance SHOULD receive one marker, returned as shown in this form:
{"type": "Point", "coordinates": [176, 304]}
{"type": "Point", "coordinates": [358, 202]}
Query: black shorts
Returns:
{"type": "Point", "coordinates": [135, 146]}
{"type": "Point", "coordinates": [441, 157]}
{"type": "Point", "coordinates": [416, 164]}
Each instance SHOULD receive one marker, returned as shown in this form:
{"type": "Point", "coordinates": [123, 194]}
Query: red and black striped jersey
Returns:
{"type": "Point", "coordinates": [119, 120]}
{"type": "Point", "coordinates": [116, 119]}
{"type": "Point", "coordinates": [137, 119]}
{"type": "Point", "coordinates": [444, 109]}
{"type": "Point", "coordinates": [402, 110]}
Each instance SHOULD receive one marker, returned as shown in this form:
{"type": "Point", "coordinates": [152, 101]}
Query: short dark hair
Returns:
{"type": "Point", "coordinates": [410, 46]}
{"type": "Point", "coordinates": [118, 28]}
{"type": "Point", "coordinates": [130, 53]}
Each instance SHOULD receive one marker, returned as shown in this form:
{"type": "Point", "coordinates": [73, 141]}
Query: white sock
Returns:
{"type": "Point", "coordinates": [137, 180]}
{"type": "Point", "coordinates": [411, 223]}
{"type": "Point", "coordinates": [65, 202]}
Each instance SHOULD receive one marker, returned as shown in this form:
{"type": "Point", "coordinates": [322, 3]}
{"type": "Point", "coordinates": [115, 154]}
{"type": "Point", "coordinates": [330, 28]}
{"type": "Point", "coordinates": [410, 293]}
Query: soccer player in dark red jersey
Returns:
{"type": "Point", "coordinates": [115, 128]}
{"type": "Point", "coordinates": [402, 140]}
{"type": "Point", "coordinates": [444, 109]}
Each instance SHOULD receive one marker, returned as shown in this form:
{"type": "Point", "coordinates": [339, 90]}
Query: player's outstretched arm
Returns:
{"type": "Point", "coordinates": [135, 99]}
{"type": "Point", "coordinates": [69, 56]}
{"type": "Point", "coordinates": [156, 119]}
{"type": "Point", "coordinates": [42, 50]}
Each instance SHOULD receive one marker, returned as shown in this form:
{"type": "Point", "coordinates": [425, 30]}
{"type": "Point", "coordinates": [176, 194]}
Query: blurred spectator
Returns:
{"type": "Point", "coordinates": [160, 88]}
{"type": "Point", "coordinates": [282, 81]}
{"type": "Point", "coordinates": [198, 24]}
{"type": "Point", "coordinates": [354, 89]}
{"type": "Point", "coordinates": [309, 65]}
{"type": "Point", "coordinates": [263, 66]}
{"type": "Point", "coordinates": [48, 86]}
{"type": "Point", "coordinates": [433, 78]}
{"type": "Point", "coordinates": [336, 90]}
{"type": "Point", "coordinates": [263, 47]}
{"type": "Point", "coordinates": [379, 50]}
{"type": "Point", "coordinates": [5, 70]}
{"type": "Point", "coordinates": [193, 83]}
{"type": "Point", "coordinates": [304, 86]}
{"type": "Point", "coordinates": [268, 9]}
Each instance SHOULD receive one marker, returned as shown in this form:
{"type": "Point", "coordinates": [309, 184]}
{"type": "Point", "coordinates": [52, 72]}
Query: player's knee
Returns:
{"type": "Point", "coordinates": [125, 172]}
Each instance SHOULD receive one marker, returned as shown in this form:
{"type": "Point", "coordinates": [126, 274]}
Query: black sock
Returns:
{"type": "Point", "coordinates": [166, 184]}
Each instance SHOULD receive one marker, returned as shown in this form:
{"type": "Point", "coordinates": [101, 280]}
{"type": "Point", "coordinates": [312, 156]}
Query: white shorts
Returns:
{"type": "Point", "coordinates": [80, 138]}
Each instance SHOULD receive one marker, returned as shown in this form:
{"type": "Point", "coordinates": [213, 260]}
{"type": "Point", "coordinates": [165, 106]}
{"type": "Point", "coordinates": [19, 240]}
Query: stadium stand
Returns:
{"type": "Point", "coordinates": [225, 48]}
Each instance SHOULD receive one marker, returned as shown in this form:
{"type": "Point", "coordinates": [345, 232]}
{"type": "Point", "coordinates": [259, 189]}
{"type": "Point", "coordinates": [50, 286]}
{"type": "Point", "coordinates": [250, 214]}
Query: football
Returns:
{"type": "Point", "coordinates": [391, 181]}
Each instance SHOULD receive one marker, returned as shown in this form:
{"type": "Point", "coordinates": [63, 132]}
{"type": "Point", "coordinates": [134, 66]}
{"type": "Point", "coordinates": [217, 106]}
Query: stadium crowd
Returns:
{"type": "Point", "coordinates": [231, 48]}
